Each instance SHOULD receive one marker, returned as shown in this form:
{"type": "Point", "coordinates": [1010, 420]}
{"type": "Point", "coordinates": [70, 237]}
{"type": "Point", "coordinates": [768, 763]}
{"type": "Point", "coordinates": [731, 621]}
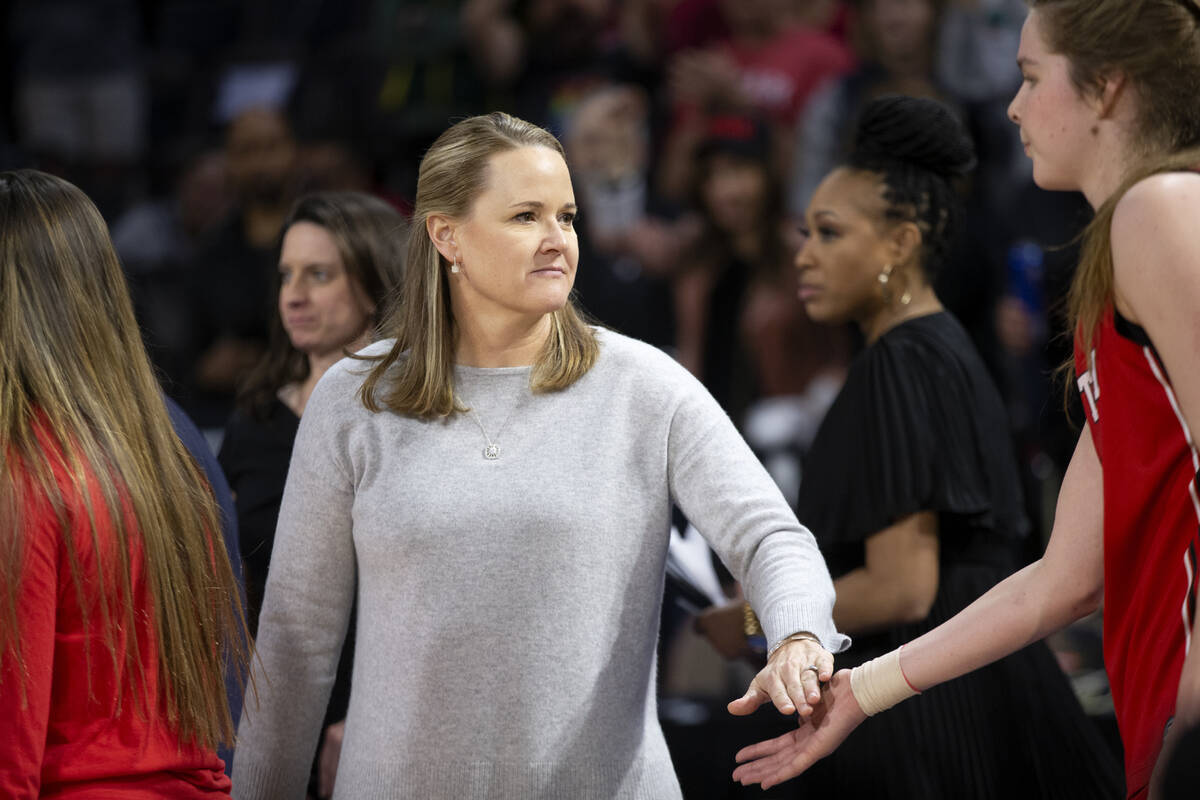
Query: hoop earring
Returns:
{"type": "Point", "coordinates": [454, 266]}
{"type": "Point", "coordinates": [884, 278]}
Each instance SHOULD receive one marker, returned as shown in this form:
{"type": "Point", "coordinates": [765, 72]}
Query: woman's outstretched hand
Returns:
{"type": "Point", "coordinates": [791, 679]}
{"type": "Point", "coordinates": [774, 761]}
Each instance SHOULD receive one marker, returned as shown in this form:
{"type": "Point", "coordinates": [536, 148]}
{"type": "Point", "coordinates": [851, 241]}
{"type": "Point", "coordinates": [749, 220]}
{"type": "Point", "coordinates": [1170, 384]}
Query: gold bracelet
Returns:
{"type": "Point", "coordinates": [750, 624]}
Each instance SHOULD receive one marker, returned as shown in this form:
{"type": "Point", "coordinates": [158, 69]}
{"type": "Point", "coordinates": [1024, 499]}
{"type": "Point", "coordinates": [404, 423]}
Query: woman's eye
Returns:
{"type": "Point", "coordinates": [568, 218]}
{"type": "Point", "coordinates": [827, 234]}
{"type": "Point", "coordinates": [524, 216]}
{"type": "Point", "coordinates": [320, 275]}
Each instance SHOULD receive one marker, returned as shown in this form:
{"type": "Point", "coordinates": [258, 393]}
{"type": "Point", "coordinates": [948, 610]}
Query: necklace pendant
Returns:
{"type": "Point", "coordinates": [491, 452]}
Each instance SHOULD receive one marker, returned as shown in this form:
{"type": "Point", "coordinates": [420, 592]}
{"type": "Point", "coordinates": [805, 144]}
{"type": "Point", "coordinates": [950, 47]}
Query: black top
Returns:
{"type": "Point", "coordinates": [255, 454]}
{"type": "Point", "coordinates": [918, 426]}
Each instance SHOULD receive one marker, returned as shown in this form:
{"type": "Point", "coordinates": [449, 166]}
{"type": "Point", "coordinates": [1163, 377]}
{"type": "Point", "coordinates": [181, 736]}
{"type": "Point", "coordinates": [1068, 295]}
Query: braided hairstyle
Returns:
{"type": "Point", "coordinates": [918, 147]}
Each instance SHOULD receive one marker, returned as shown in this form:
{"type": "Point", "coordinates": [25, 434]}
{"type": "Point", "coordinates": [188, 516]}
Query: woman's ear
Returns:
{"type": "Point", "coordinates": [441, 232]}
{"type": "Point", "coordinates": [1107, 92]}
{"type": "Point", "coordinates": [906, 240]}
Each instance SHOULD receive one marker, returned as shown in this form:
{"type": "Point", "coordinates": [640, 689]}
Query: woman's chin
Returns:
{"type": "Point", "coordinates": [1051, 181]}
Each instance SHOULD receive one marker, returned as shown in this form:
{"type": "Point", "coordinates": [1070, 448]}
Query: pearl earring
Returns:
{"type": "Point", "coordinates": [885, 276]}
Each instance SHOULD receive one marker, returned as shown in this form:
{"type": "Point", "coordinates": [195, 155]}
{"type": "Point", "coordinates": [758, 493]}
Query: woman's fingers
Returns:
{"type": "Point", "coordinates": [750, 701]}
{"type": "Point", "coordinates": [774, 761]}
{"type": "Point", "coordinates": [800, 664]}
{"type": "Point", "coordinates": [765, 748]}
{"type": "Point", "coordinates": [771, 681]}
{"type": "Point", "coordinates": [824, 663]}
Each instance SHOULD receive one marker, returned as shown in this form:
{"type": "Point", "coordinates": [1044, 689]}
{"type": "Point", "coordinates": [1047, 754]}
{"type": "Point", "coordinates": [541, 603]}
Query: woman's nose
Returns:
{"type": "Point", "coordinates": [555, 237]}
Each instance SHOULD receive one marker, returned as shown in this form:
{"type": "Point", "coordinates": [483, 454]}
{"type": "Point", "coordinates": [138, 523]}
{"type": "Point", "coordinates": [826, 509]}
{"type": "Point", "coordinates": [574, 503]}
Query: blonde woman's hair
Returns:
{"type": "Point", "coordinates": [77, 396]}
{"type": "Point", "coordinates": [417, 375]}
{"type": "Point", "coordinates": [1155, 44]}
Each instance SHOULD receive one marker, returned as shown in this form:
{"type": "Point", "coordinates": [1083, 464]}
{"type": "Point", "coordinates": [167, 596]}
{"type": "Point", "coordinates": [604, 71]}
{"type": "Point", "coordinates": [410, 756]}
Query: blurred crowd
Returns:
{"type": "Point", "coordinates": [695, 129]}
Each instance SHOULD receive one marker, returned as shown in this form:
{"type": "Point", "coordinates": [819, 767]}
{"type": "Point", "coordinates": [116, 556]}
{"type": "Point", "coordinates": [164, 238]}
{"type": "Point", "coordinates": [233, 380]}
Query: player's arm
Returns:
{"type": "Point", "coordinates": [1066, 583]}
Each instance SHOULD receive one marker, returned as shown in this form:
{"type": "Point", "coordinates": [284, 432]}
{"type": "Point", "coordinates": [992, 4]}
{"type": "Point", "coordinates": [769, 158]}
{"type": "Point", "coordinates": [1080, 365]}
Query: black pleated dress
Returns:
{"type": "Point", "coordinates": [919, 426]}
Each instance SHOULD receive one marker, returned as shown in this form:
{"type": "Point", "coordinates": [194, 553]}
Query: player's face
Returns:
{"type": "Point", "coordinates": [1056, 121]}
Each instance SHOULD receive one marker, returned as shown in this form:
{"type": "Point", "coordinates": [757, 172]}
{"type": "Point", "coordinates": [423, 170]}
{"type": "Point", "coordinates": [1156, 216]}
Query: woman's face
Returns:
{"type": "Point", "coordinates": [734, 193]}
{"type": "Point", "coordinates": [1055, 120]}
{"type": "Point", "coordinates": [517, 251]}
{"type": "Point", "coordinates": [844, 249]}
{"type": "Point", "coordinates": [322, 307]}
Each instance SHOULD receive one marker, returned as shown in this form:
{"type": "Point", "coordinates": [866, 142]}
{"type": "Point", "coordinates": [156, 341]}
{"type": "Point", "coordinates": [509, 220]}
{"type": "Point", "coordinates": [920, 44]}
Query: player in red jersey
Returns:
{"type": "Point", "coordinates": [118, 607]}
{"type": "Point", "coordinates": [1107, 107]}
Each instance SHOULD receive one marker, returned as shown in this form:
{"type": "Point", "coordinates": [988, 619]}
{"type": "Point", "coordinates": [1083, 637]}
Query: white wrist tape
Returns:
{"type": "Point", "coordinates": [879, 684]}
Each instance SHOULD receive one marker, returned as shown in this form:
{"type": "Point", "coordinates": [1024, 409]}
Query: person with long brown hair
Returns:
{"type": "Point", "coordinates": [340, 262]}
{"type": "Point", "coordinates": [493, 486]}
{"type": "Point", "coordinates": [119, 610]}
{"type": "Point", "coordinates": [1107, 107]}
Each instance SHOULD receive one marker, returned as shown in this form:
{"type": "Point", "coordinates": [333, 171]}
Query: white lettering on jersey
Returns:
{"type": "Point", "coordinates": [1089, 386]}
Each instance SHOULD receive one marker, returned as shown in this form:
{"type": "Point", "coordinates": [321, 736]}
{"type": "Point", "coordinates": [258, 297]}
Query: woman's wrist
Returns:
{"type": "Point", "coordinates": [881, 683]}
{"type": "Point", "coordinates": [756, 636]}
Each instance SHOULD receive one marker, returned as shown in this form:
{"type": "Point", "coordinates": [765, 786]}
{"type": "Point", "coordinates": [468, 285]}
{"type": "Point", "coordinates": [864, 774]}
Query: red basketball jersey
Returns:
{"type": "Point", "coordinates": [1151, 532]}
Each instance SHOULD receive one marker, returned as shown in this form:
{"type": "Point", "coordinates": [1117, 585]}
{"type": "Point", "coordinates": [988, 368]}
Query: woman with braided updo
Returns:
{"type": "Point", "coordinates": [1107, 108]}
{"type": "Point", "coordinates": [912, 487]}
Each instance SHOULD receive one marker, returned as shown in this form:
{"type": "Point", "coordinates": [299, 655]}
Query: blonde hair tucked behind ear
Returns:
{"type": "Point", "coordinates": [417, 374]}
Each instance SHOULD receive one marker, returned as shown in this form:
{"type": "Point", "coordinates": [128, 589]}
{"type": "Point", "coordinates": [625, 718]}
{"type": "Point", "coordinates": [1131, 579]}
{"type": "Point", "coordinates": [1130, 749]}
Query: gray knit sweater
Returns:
{"type": "Point", "coordinates": [508, 608]}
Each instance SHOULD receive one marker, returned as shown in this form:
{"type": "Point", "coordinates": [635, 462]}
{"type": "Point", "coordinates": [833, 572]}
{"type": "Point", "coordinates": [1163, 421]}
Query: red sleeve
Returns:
{"type": "Point", "coordinates": [26, 713]}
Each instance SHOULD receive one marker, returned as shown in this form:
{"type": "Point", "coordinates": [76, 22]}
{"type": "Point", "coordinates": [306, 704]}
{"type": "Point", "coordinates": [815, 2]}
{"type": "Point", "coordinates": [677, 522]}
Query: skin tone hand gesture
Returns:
{"type": "Point", "coordinates": [783, 758]}
{"type": "Point", "coordinates": [791, 679]}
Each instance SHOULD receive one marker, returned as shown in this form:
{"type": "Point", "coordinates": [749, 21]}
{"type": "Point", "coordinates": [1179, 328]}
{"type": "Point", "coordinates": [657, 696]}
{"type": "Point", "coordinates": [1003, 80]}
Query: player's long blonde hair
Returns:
{"type": "Point", "coordinates": [78, 397]}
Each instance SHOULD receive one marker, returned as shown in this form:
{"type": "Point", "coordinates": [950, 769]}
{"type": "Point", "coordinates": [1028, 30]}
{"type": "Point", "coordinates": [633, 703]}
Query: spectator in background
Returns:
{"type": "Point", "coordinates": [339, 263]}
{"type": "Point", "coordinates": [896, 42]}
{"type": "Point", "coordinates": [730, 330]}
{"type": "Point", "coordinates": [628, 239]}
{"type": "Point", "coordinates": [158, 241]}
{"type": "Point", "coordinates": [898, 45]}
{"type": "Point", "coordinates": [232, 274]}
{"type": "Point", "coordinates": [768, 67]}
{"type": "Point", "coordinates": [547, 54]}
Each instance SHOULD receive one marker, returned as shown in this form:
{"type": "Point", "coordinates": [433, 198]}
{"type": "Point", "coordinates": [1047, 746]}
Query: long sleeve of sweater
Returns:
{"type": "Point", "coordinates": [508, 607]}
{"type": "Point", "coordinates": [309, 594]}
{"type": "Point", "coordinates": [727, 494]}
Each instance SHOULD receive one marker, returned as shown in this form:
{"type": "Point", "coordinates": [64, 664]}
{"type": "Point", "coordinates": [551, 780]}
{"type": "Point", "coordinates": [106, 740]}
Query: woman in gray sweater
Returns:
{"type": "Point", "coordinates": [494, 484]}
